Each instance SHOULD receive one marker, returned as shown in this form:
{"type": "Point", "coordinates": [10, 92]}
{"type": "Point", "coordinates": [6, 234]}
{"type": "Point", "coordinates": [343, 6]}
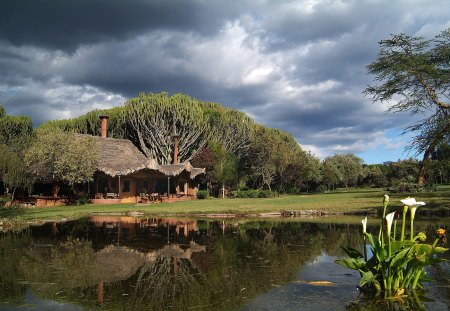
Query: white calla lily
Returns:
{"type": "Point", "coordinates": [411, 202]}
{"type": "Point", "coordinates": [389, 220]}
{"type": "Point", "coordinates": [364, 224]}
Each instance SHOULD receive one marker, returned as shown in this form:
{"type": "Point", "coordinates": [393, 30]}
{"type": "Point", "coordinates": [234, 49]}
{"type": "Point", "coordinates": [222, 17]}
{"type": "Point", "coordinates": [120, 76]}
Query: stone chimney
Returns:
{"type": "Point", "coordinates": [104, 123]}
{"type": "Point", "coordinates": [176, 141]}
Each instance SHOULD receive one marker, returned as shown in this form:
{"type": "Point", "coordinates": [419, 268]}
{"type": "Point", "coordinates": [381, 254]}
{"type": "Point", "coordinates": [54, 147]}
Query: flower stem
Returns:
{"type": "Point", "coordinates": [405, 209]}
{"type": "Point", "coordinates": [416, 279]}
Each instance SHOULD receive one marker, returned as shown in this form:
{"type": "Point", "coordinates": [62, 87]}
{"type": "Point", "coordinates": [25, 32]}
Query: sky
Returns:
{"type": "Point", "coordinates": [299, 66]}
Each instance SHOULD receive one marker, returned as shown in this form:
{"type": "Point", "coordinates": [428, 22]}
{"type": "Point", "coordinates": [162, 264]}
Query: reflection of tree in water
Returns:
{"type": "Point", "coordinates": [169, 282]}
{"type": "Point", "coordinates": [11, 246]}
{"type": "Point", "coordinates": [240, 262]}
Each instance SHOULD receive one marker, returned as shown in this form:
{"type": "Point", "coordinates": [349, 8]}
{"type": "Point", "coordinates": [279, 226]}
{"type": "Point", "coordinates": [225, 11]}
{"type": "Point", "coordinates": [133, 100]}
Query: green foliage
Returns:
{"type": "Point", "coordinates": [14, 171]}
{"type": "Point", "coordinates": [349, 167]}
{"type": "Point", "coordinates": [274, 156]}
{"type": "Point", "coordinates": [14, 129]}
{"type": "Point", "coordinates": [83, 199]}
{"type": "Point", "coordinates": [416, 72]}
{"type": "Point", "coordinates": [57, 156]}
{"type": "Point", "coordinates": [244, 194]}
{"type": "Point", "coordinates": [202, 194]}
{"type": "Point", "coordinates": [154, 118]}
{"type": "Point", "coordinates": [230, 128]}
{"type": "Point", "coordinates": [89, 123]}
{"type": "Point", "coordinates": [224, 166]}
{"type": "Point", "coordinates": [331, 175]}
{"type": "Point", "coordinates": [4, 200]}
{"type": "Point", "coordinates": [396, 265]}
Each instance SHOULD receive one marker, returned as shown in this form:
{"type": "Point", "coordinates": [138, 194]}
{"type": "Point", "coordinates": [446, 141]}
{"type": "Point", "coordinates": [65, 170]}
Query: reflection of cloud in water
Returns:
{"type": "Point", "coordinates": [31, 302]}
{"type": "Point", "coordinates": [299, 295]}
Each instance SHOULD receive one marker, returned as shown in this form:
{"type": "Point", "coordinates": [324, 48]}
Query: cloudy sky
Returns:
{"type": "Point", "coordinates": [299, 66]}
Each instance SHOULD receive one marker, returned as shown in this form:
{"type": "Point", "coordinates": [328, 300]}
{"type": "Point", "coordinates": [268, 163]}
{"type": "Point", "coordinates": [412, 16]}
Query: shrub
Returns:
{"type": "Point", "coordinates": [253, 194]}
{"type": "Point", "coordinates": [3, 201]}
{"type": "Point", "coordinates": [321, 189]}
{"type": "Point", "coordinates": [83, 199]}
{"type": "Point", "coordinates": [267, 194]}
{"type": "Point", "coordinates": [202, 194]}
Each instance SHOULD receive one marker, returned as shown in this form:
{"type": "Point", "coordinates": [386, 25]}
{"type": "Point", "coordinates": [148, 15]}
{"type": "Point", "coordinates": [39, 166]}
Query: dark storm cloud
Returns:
{"type": "Point", "coordinates": [70, 23]}
{"type": "Point", "coordinates": [299, 66]}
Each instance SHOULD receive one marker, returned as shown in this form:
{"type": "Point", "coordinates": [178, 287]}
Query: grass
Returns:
{"type": "Point", "coordinates": [353, 201]}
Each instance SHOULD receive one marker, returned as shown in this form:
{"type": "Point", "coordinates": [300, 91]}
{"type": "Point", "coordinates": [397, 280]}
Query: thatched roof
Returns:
{"type": "Point", "coordinates": [177, 169]}
{"type": "Point", "coordinates": [121, 157]}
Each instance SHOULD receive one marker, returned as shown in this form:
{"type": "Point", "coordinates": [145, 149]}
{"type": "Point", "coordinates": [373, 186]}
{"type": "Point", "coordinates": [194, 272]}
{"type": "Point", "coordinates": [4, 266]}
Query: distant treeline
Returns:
{"type": "Point", "coordinates": [238, 153]}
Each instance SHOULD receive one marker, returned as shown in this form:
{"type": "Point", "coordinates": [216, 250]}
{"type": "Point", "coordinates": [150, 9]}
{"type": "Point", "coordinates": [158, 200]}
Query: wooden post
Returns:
{"type": "Point", "coordinates": [168, 187]}
{"type": "Point", "coordinates": [118, 192]}
{"type": "Point", "coordinates": [100, 293]}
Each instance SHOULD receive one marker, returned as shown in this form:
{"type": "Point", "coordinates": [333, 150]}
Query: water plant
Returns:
{"type": "Point", "coordinates": [396, 265]}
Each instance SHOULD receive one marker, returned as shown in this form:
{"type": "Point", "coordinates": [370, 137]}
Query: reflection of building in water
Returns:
{"type": "Point", "coordinates": [115, 263]}
{"type": "Point", "coordinates": [127, 226]}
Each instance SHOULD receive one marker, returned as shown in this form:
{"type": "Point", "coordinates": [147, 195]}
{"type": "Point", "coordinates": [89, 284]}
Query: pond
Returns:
{"type": "Point", "coordinates": [126, 263]}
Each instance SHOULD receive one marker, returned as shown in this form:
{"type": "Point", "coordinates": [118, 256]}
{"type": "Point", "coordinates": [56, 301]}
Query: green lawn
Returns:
{"type": "Point", "coordinates": [349, 202]}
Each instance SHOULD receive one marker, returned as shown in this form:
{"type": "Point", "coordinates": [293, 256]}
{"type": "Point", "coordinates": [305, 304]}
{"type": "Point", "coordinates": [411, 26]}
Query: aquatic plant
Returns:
{"type": "Point", "coordinates": [397, 265]}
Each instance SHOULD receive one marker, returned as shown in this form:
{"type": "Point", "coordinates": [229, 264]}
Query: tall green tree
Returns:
{"type": "Point", "coordinates": [58, 157]}
{"type": "Point", "coordinates": [13, 129]}
{"type": "Point", "coordinates": [413, 74]}
{"type": "Point", "coordinates": [349, 166]}
{"type": "Point", "coordinates": [263, 156]}
{"type": "Point", "coordinates": [224, 166]}
{"type": "Point", "coordinates": [331, 176]}
{"type": "Point", "coordinates": [13, 170]}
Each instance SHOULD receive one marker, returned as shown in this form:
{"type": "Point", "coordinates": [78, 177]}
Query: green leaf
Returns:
{"type": "Point", "coordinates": [352, 253]}
{"type": "Point", "coordinates": [400, 257]}
{"type": "Point", "coordinates": [351, 263]}
{"type": "Point", "coordinates": [440, 249]}
{"type": "Point", "coordinates": [367, 278]}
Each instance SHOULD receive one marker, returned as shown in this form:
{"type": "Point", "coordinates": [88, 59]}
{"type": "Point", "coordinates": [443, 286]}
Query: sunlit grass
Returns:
{"type": "Point", "coordinates": [353, 201]}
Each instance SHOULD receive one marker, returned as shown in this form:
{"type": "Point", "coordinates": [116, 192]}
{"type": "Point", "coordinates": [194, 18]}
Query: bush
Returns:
{"type": "Point", "coordinates": [267, 194]}
{"type": "Point", "coordinates": [253, 194]}
{"type": "Point", "coordinates": [3, 201]}
{"type": "Point", "coordinates": [202, 194]}
{"type": "Point", "coordinates": [83, 199]}
{"type": "Point", "coordinates": [321, 189]}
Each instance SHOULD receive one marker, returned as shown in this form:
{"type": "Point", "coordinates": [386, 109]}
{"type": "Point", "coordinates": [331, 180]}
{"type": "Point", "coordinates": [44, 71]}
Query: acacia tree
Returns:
{"type": "Point", "coordinates": [413, 74]}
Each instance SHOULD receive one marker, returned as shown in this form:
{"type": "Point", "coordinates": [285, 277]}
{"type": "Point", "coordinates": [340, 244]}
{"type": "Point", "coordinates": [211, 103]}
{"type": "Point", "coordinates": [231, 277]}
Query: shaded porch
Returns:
{"type": "Point", "coordinates": [145, 186]}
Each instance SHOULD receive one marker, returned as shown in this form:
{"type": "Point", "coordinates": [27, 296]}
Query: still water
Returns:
{"type": "Point", "coordinates": [126, 263]}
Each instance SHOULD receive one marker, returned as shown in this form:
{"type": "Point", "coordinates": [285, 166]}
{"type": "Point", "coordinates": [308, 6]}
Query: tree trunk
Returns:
{"type": "Point", "coordinates": [55, 189]}
{"type": "Point", "coordinates": [223, 190]}
{"type": "Point", "coordinates": [424, 165]}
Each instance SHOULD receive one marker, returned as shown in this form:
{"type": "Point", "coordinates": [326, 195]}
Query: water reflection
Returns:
{"type": "Point", "coordinates": [127, 263]}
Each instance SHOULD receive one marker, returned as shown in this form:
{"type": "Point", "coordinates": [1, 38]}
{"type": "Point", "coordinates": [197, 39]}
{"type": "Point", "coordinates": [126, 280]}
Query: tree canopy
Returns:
{"type": "Point", "coordinates": [13, 129]}
{"type": "Point", "coordinates": [413, 74]}
{"type": "Point", "coordinates": [56, 156]}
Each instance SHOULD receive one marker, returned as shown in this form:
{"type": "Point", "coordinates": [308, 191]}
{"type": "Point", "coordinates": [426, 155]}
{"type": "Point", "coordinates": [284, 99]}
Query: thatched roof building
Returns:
{"type": "Point", "coordinates": [124, 172]}
{"type": "Point", "coordinates": [121, 157]}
